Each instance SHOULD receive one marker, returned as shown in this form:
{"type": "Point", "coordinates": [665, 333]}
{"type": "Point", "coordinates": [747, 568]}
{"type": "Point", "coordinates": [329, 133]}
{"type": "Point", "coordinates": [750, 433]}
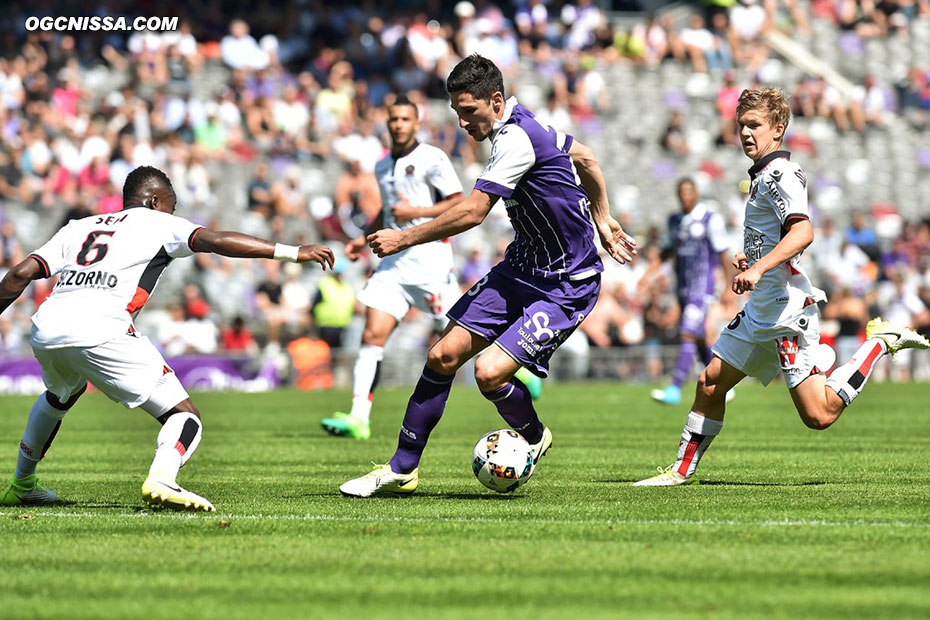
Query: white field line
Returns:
{"type": "Point", "coordinates": [778, 523]}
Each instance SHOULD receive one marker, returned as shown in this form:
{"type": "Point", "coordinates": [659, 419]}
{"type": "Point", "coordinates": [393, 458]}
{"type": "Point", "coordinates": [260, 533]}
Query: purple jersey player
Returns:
{"type": "Point", "coordinates": [697, 238]}
{"type": "Point", "coordinates": [532, 301]}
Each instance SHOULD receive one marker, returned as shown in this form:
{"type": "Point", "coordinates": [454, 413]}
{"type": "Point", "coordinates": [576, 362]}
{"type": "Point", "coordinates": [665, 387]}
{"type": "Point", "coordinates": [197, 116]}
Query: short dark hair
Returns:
{"type": "Point", "coordinates": [686, 181]}
{"type": "Point", "coordinates": [140, 181]}
{"type": "Point", "coordinates": [477, 76]}
{"type": "Point", "coordinates": [403, 99]}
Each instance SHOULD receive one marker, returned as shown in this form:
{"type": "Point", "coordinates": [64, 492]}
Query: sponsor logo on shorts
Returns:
{"type": "Point", "coordinates": [787, 350]}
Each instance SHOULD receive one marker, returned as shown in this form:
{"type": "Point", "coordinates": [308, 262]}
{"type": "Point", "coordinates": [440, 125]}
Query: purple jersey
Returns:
{"type": "Point", "coordinates": [697, 239]}
{"type": "Point", "coordinates": [531, 170]}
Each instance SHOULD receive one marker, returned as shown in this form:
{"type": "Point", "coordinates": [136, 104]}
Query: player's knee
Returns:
{"type": "Point", "coordinates": [708, 388]}
{"type": "Point", "coordinates": [488, 376]}
{"type": "Point", "coordinates": [442, 359]}
{"type": "Point", "coordinates": [818, 420]}
{"type": "Point", "coordinates": [374, 337]}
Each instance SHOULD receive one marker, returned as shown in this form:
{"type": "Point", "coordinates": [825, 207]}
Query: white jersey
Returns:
{"type": "Point", "coordinates": [424, 176]}
{"type": "Point", "coordinates": [108, 265]}
{"type": "Point", "coordinates": [778, 194]}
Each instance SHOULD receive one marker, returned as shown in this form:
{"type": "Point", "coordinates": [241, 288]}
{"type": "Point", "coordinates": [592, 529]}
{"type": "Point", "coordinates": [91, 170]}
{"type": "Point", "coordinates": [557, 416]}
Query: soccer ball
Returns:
{"type": "Point", "coordinates": [502, 460]}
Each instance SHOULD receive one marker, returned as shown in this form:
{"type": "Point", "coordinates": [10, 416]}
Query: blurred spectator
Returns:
{"type": "Point", "coordinates": [240, 50]}
{"type": "Point", "coordinates": [11, 340]}
{"type": "Point", "coordinates": [851, 314]}
{"type": "Point", "coordinates": [260, 191]}
{"type": "Point", "coordinates": [333, 306]}
{"type": "Point", "coordinates": [862, 235]}
{"type": "Point", "coordinates": [357, 199]}
{"type": "Point", "coordinates": [236, 338]}
{"type": "Point", "coordinates": [674, 140]}
{"type": "Point", "coordinates": [11, 253]}
{"type": "Point", "coordinates": [699, 44]}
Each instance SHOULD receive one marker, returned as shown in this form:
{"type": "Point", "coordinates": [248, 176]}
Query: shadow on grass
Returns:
{"type": "Point", "coordinates": [727, 483]}
{"type": "Point", "coordinates": [401, 496]}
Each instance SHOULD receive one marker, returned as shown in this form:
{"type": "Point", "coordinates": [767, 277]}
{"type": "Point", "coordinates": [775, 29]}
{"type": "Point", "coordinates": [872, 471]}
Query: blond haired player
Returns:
{"type": "Point", "coordinates": [779, 329]}
{"type": "Point", "coordinates": [107, 267]}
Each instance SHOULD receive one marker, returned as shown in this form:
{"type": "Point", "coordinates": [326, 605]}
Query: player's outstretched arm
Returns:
{"type": "Point", "coordinates": [620, 246]}
{"type": "Point", "coordinates": [17, 279]}
{"type": "Point", "coordinates": [404, 211]}
{"type": "Point", "coordinates": [240, 245]}
{"type": "Point", "coordinates": [800, 235]}
{"type": "Point", "coordinates": [459, 218]}
{"type": "Point", "coordinates": [355, 247]}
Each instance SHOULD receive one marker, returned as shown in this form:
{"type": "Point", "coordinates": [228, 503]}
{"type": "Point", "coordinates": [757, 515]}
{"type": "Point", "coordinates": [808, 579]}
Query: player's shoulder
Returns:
{"type": "Point", "coordinates": [430, 152]}
{"type": "Point", "coordinates": [779, 167]}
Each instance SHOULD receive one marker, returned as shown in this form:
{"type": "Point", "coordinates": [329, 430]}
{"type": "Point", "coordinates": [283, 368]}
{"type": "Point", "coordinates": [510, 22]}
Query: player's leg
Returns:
{"type": "Point", "coordinates": [177, 440]}
{"type": "Point", "coordinates": [495, 373]}
{"type": "Point", "coordinates": [820, 402]}
{"type": "Point", "coordinates": [378, 327]}
{"type": "Point", "coordinates": [64, 387]}
{"type": "Point", "coordinates": [703, 424]}
{"type": "Point", "coordinates": [691, 331]}
{"type": "Point", "coordinates": [131, 371]}
{"type": "Point", "coordinates": [424, 410]}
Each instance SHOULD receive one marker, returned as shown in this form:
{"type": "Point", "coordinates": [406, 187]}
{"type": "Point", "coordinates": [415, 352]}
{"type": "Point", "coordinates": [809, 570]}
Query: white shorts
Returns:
{"type": "Point", "coordinates": [387, 292]}
{"type": "Point", "coordinates": [128, 369]}
{"type": "Point", "coordinates": [761, 350]}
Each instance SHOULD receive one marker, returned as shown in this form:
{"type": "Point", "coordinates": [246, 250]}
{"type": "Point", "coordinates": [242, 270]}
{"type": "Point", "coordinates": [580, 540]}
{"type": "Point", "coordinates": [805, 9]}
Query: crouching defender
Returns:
{"type": "Point", "coordinates": [108, 265]}
{"type": "Point", "coordinates": [779, 329]}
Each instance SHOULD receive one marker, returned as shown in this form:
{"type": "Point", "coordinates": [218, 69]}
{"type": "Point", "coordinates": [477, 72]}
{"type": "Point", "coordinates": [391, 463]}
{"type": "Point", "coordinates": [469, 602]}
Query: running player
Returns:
{"type": "Point", "coordinates": [107, 267]}
{"type": "Point", "coordinates": [780, 326]}
{"type": "Point", "coordinates": [697, 238]}
{"type": "Point", "coordinates": [410, 178]}
{"type": "Point", "coordinates": [535, 298]}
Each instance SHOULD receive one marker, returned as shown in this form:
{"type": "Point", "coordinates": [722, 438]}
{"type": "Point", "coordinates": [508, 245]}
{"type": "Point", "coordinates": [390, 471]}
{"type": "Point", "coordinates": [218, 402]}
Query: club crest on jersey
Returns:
{"type": "Point", "coordinates": [787, 350]}
{"type": "Point", "coordinates": [409, 170]}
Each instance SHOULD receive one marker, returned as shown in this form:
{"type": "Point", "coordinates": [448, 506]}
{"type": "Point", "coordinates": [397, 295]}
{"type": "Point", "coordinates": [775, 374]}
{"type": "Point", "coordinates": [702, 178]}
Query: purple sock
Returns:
{"type": "Point", "coordinates": [424, 409]}
{"type": "Point", "coordinates": [514, 403]}
{"type": "Point", "coordinates": [705, 352]}
{"type": "Point", "coordinates": [684, 363]}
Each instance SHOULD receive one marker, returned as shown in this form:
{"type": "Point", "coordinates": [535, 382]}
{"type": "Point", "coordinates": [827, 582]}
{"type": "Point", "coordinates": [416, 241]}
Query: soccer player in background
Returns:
{"type": "Point", "coordinates": [779, 328]}
{"type": "Point", "coordinates": [697, 239]}
{"type": "Point", "coordinates": [410, 177]}
{"type": "Point", "coordinates": [528, 304]}
{"type": "Point", "coordinates": [107, 267]}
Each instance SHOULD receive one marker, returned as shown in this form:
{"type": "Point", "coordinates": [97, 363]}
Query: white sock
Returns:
{"type": "Point", "coordinates": [849, 380]}
{"type": "Point", "coordinates": [176, 442]}
{"type": "Point", "coordinates": [40, 431]}
{"type": "Point", "coordinates": [699, 431]}
{"type": "Point", "coordinates": [367, 367]}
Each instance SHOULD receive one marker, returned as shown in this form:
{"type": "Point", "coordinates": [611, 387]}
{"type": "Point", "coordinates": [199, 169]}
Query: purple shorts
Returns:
{"type": "Point", "coordinates": [694, 315]}
{"type": "Point", "coordinates": [526, 316]}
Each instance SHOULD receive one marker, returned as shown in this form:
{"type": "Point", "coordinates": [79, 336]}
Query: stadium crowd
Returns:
{"type": "Point", "coordinates": [273, 118]}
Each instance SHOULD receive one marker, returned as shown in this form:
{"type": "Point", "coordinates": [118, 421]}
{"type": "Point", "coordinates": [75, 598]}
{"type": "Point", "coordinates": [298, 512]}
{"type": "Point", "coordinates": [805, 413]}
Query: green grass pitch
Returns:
{"type": "Point", "coordinates": [790, 522]}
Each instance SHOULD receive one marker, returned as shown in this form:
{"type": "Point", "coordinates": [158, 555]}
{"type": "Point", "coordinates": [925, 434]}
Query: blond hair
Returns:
{"type": "Point", "coordinates": [772, 102]}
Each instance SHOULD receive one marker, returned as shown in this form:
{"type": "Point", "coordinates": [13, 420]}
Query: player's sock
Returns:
{"type": "Point", "coordinates": [685, 363]}
{"type": "Point", "coordinates": [699, 431]}
{"type": "Point", "coordinates": [515, 404]}
{"type": "Point", "coordinates": [849, 379]}
{"type": "Point", "coordinates": [176, 442]}
{"type": "Point", "coordinates": [44, 422]}
{"type": "Point", "coordinates": [705, 352]}
{"type": "Point", "coordinates": [367, 373]}
{"type": "Point", "coordinates": [424, 410]}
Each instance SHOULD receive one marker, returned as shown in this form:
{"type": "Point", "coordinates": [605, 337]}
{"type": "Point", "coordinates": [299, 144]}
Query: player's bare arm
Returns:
{"type": "Point", "coordinates": [17, 279]}
{"type": "Point", "coordinates": [403, 211]}
{"type": "Point", "coordinates": [620, 246]}
{"type": "Point", "coordinates": [240, 245]}
{"type": "Point", "coordinates": [458, 218]}
{"type": "Point", "coordinates": [800, 235]}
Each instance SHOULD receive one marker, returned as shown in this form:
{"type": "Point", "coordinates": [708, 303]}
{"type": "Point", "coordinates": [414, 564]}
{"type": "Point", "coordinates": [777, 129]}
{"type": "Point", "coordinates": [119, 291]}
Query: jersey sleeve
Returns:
{"type": "Point", "coordinates": [442, 177]}
{"type": "Point", "coordinates": [51, 256]}
{"type": "Point", "coordinates": [787, 188]}
{"type": "Point", "coordinates": [717, 233]}
{"type": "Point", "coordinates": [180, 234]}
{"type": "Point", "coordinates": [512, 155]}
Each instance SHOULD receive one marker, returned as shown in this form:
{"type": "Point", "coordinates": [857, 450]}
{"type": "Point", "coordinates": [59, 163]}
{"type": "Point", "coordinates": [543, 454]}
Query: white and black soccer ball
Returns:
{"type": "Point", "coordinates": [502, 460]}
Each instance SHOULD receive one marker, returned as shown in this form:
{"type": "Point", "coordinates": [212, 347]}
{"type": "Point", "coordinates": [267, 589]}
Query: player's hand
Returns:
{"type": "Point", "coordinates": [317, 253]}
{"type": "Point", "coordinates": [356, 248]}
{"type": "Point", "coordinates": [402, 210]}
{"type": "Point", "coordinates": [746, 280]}
{"type": "Point", "coordinates": [739, 262]}
{"type": "Point", "coordinates": [620, 246]}
{"type": "Point", "coordinates": [386, 241]}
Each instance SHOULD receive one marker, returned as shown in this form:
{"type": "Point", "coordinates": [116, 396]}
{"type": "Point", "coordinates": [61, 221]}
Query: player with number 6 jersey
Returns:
{"type": "Point", "coordinates": [417, 183]}
{"type": "Point", "coordinates": [107, 267]}
{"type": "Point", "coordinates": [531, 302]}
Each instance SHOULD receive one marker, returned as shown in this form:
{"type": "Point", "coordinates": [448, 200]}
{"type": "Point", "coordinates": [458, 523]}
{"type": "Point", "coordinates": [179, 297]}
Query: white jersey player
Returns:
{"type": "Point", "coordinates": [107, 266]}
{"type": "Point", "coordinates": [417, 183]}
{"type": "Point", "coordinates": [779, 329]}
